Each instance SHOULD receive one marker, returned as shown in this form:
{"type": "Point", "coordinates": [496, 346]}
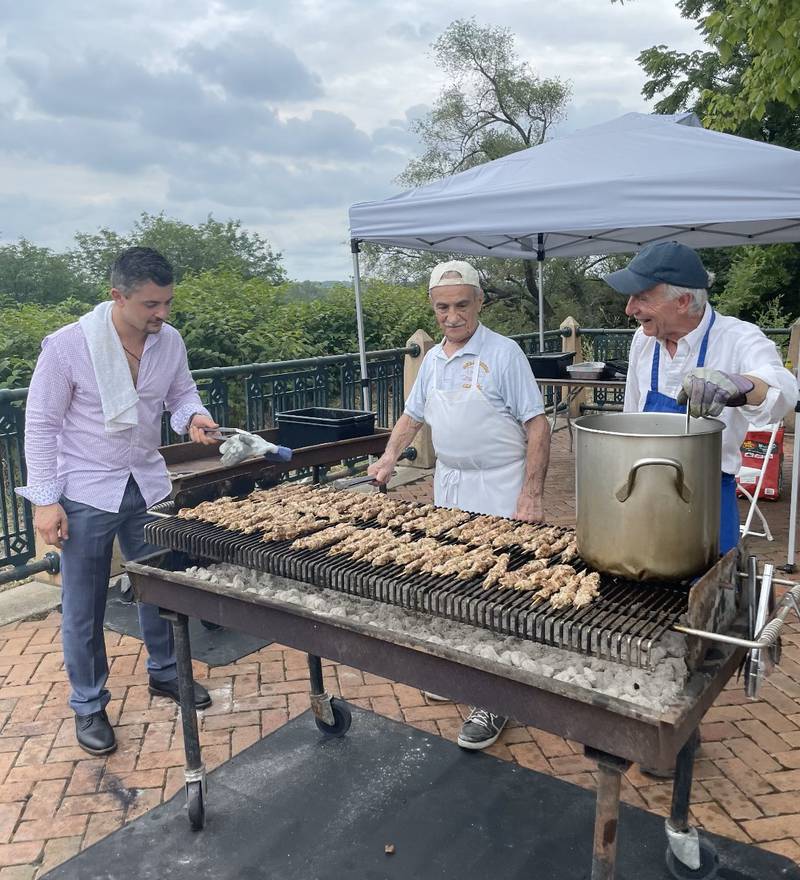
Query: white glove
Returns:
{"type": "Point", "coordinates": [244, 445]}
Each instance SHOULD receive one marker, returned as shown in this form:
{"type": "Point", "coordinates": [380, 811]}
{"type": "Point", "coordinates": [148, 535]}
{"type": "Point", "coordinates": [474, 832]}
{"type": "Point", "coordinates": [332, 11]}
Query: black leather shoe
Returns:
{"type": "Point", "coordinates": [169, 689]}
{"type": "Point", "coordinates": [95, 734]}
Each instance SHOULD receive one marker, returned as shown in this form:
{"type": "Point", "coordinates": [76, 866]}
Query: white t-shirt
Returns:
{"type": "Point", "coordinates": [505, 376]}
{"type": "Point", "coordinates": [734, 346]}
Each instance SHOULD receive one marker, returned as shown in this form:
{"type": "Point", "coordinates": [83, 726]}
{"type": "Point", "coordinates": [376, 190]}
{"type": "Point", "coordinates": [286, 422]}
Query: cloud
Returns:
{"type": "Point", "coordinates": [173, 106]}
{"type": "Point", "coordinates": [254, 66]}
{"type": "Point", "coordinates": [279, 114]}
{"type": "Point", "coordinates": [412, 32]}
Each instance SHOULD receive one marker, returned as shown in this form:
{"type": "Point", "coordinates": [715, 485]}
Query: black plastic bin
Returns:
{"type": "Point", "coordinates": [551, 364]}
{"type": "Point", "coordinates": [319, 424]}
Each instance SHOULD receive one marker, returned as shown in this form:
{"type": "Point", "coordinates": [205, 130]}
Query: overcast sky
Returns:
{"type": "Point", "coordinates": [279, 114]}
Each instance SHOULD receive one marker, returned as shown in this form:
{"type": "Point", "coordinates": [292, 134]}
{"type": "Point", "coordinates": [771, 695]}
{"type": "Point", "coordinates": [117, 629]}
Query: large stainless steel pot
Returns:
{"type": "Point", "coordinates": [648, 494]}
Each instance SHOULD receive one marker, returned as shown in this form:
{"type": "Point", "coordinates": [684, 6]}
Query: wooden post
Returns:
{"type": "Point", "coordinates": [426, 458]}
{"type": "Point", "coordinates": [794, 356]}
{"type": "Point", "coordinates": [573, 343]}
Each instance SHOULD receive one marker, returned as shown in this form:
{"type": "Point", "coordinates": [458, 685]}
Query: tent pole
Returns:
{"type": "Point", "coordinates": [362, 346]}
{"type": "Point", "coordinates": [790, 564]}
{"type": "Point", "coordinates": [540, 261]}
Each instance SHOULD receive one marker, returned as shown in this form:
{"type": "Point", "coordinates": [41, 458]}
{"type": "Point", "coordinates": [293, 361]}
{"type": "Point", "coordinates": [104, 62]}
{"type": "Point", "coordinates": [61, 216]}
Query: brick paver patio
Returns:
{"type": "Point", "coordinates": [55, 800]}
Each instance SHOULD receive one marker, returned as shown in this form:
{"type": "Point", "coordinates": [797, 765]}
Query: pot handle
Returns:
{"type": "Point", "coordinates": [624, 491]}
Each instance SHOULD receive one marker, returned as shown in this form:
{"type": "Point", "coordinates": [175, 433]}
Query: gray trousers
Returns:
{"type": "Point", "coordinates": [85, 571]}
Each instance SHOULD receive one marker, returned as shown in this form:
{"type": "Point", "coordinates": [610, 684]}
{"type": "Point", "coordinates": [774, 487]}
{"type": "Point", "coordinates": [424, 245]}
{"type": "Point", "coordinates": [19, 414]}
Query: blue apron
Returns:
{"type": "Point", "coordinates": [658, 402]}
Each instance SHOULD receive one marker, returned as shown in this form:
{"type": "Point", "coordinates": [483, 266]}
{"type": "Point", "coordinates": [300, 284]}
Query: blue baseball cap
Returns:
{"type": "Point", "coordinates": [665, 262]}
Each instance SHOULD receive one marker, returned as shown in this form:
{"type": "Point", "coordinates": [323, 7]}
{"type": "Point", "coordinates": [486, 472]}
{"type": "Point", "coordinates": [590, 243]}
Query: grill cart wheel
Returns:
{"type": "Point", "coordinates": [195, 805]}
{"type": "Point", "coordinates": [709, 864]}
{"type": "Point", "coordinates": [342, 718]}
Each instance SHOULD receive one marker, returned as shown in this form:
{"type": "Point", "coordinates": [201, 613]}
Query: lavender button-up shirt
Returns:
{"type": "Point", "coordinates": [67, 449]}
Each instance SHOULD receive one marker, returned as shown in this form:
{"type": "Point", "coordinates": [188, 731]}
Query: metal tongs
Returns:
{"type": "Point", "coordinates": [222, 433]}
{"type": "Point", "coordinates": [349, 482]}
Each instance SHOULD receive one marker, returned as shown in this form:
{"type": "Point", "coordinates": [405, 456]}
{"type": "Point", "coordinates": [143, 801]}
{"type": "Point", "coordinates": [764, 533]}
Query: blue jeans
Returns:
{"type": "Point", "coordinates": [85, 572]}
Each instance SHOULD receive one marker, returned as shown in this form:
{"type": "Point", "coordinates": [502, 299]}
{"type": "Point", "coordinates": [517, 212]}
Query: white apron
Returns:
{"type": "Point", "coordinates": [480, 452]}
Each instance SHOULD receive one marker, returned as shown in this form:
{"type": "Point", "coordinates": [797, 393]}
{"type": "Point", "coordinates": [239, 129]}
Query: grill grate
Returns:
{"type": "Point", "coordinates": [622, 623]}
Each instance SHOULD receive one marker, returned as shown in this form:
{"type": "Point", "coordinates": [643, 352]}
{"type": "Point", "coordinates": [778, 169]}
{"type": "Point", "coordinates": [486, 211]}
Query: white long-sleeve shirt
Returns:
{"type": "Point", "coordinates": [734, 346]}
{"type": "Point", "coordinates": [67, 448]}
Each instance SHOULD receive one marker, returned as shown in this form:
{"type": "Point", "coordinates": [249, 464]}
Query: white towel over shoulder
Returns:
{"type": "Point", "coordinates": [117, 393]}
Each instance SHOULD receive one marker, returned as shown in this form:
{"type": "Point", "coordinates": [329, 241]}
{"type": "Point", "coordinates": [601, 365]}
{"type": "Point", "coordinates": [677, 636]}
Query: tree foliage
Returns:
{"type": "Point", "coordinates": [31, 274]}
{"type": "Point", "coordinates": [707, 80]}
{"type": "Point", "coordinates": [747, 82]}
{"type": "Point", "coordinates": [24, 327]}
{"type": "Point", "coordinates": [494, 104]}
{"type": "Point", "coordinates": [765, 37]}
{"type": "Point", "coordinates": [212, 244]}
{"type": "Point", "coordinates": [227, 320]}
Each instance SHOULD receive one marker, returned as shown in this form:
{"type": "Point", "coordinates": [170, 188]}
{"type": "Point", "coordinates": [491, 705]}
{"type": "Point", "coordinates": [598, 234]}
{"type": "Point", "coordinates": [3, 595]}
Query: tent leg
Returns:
{"type": "Point", "coordinates": [790, 565]}
{"type": "Point", "coordinates": [541, 305]}
{"type": "Point", "coordinates": [362, 347]}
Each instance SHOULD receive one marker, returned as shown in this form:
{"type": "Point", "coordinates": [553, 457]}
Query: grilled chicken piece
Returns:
{"type": "Point", "coordinates": [497, 571]}
{"type": "Point", "coordinates": [588, 590]}
{"type": "Point", "coordinates": [519, 579]}
{"type": "Point", "coordinates": [566, 595]}
{"type": "Point", "coordinates": [551, 580]}
{"type": "Point", "coordinates": [324, 538]}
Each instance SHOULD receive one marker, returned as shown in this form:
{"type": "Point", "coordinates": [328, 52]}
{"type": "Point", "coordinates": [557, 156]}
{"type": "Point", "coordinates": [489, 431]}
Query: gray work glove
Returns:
{"type": "Point", "coordinates": [709, 391]}
{"type": "Point", "coordinates": [244, 445]}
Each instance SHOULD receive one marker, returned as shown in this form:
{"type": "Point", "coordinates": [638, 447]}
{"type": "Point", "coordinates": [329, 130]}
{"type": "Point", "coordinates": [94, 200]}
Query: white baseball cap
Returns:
{"type": "Point", "coordinates": [467, 274]}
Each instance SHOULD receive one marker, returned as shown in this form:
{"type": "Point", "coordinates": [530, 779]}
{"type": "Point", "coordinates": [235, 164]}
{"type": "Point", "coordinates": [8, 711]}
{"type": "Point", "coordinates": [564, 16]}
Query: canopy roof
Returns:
{"type": "Point", "coordinates": [609, 188]}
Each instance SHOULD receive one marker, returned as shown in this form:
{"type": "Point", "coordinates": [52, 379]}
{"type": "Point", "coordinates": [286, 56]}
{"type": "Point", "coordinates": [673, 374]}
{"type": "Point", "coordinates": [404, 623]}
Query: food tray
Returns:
{"type": "Point", "coordinates": [587, 370]}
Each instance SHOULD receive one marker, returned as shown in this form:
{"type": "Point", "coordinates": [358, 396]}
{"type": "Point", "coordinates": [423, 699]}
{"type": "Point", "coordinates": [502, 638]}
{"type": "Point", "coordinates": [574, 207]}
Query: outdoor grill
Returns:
{"type": "Point", "coordinates": [622, 624]}
{"type": "Point", "coordinates": [722, 614]}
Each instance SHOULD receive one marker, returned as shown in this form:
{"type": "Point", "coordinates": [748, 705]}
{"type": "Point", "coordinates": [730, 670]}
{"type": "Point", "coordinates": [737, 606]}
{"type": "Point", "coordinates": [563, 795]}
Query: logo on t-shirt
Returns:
{"type": "Point", "coordinates": [467, 367]}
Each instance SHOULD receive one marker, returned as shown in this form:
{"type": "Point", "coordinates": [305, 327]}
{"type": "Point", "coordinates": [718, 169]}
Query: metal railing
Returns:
{"type": "Point", "coordinates": [605, 344]}
{"type": "Point", "coordinates": [529, 342]}
{"type": "Point", "coordinates": [16, 518]}
{"type": "Point", "coordinates": [249, 395]}
{"type": "Point", "coordinates": [252, 394]}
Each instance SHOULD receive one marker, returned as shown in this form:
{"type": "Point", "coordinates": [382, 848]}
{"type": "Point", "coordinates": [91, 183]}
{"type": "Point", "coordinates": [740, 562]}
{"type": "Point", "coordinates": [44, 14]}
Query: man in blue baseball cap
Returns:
{"type": "Point", "coordinates": [686, 352]}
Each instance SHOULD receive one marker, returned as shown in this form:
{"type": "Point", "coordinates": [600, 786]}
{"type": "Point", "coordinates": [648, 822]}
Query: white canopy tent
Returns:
{"type": "Point", "coordinates": [610, 188]}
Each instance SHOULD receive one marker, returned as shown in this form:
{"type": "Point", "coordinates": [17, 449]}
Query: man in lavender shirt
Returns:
{"type": "Point", "coordinates": [91, 484]}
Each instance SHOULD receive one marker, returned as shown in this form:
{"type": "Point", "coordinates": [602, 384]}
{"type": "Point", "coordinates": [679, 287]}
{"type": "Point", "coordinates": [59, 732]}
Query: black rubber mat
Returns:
{"type": "Point", "coordinates": [300, 806]}
{"type": "Point", "coordinates": [217, 647]}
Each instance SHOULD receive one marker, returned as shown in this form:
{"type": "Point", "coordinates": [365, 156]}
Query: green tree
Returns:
{"type": "Point", "coordinates": [191, 249]}
{"type": "Point", "coordinates": [762, 280]}
{"type": "Point", "coordinates": [24, 327]}
{"type": "Point", "coordinates": [706, 79]}
{"type": "Point", "coordinates": [493, 104]}
{"type": "Point", "coordinates": [766, 36]}
{"type": "Point", "coordinates": [31, 274]}
{"type": "Point", "coordinates": [725, 85]}
{"type": "Point", "coordinates": [227, 320]}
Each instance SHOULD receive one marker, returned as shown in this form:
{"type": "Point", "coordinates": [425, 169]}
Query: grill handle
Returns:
{"type": "Point", "coordinates": [769, 634]}
{"type": "Point", "coordinates": [624, 491]}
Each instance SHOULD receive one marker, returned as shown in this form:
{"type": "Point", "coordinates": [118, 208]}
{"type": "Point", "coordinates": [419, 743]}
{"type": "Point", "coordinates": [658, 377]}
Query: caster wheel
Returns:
{"type": "Point", "coordinates": [342, 718]}
{"type": "Point", "coordinates": [209, 625]}
{"type": "Point", "coordinates": [709, 864]}
{"type": "Point", "coordinates": [195, 805]}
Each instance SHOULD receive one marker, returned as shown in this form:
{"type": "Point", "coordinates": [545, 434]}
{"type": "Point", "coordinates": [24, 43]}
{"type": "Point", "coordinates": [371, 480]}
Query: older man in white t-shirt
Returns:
{"type": "Point", "coordinates": [491, 438]}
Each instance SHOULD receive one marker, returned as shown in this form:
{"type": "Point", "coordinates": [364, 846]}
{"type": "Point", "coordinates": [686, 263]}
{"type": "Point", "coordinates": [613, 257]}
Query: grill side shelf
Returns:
{"type": "Point", "coordinates": [621, 624]}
